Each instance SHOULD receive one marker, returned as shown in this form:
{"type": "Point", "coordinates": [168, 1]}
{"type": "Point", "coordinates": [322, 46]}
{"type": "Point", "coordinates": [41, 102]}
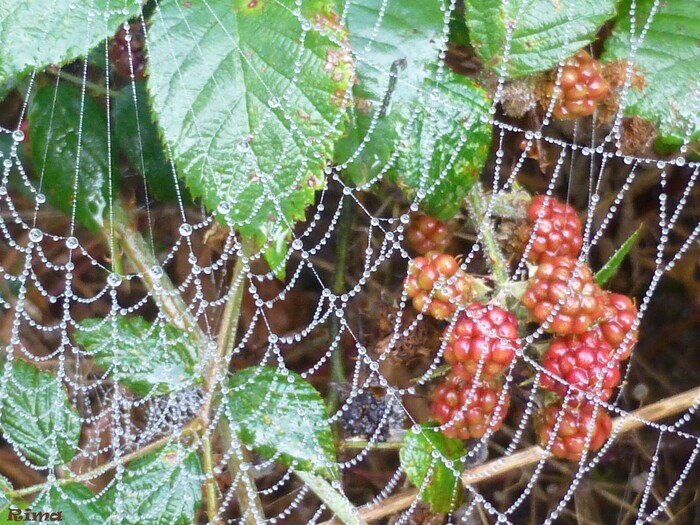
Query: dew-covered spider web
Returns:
{"type": "Point", "coordinates": [144, 280]}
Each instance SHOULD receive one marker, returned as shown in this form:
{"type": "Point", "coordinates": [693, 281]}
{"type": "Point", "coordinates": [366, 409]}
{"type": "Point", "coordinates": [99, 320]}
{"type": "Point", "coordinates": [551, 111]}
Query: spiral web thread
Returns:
{"type": "Point", "coordinates": [32, 245]}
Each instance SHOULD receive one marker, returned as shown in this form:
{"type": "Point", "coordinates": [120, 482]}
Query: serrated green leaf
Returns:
{"type": "Point", "coordinates": [668, 59]}
{"type": "Point", "coordinates": [137, 136]}
{"type": "Point", "coordinates": [65, 127]}
{"type": "Point", "coordinates": [443, 489]}
{"type": "Point", "coordinates": [243, 125]}
{"type": "Point", "coordinates": [610, 268]}
{"type": "Point", "coordinates": [160, 488]}
{"type": "Point", "coordinates": [5, 511]}
{"type": "Point", "coordinates": [450, 132]}
{"type": "Point", "coordinates": [75, 502]}
{"type": "Point", "coordinates": [399, 39]}
{"type": "Point", "coordinates": [37, 34]}
{"type": "Point", "coordinates": [546, 31]}
{"type": "Point", "coordinates": [282, 414]}
{"type": "Point", "coordinates": [146, 358]}
{"type": "Point", "coordinates": [36, 416]}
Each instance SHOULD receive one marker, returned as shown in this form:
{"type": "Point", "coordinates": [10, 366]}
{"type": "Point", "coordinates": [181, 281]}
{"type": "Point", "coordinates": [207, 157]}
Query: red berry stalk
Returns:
{"type": "Point", "coordinates": [437, 286]}
{"type": "Point", "coordinates": [555, 228]}
{"type": "Point", "coordinates": [482, 343]}
{"type": "Point", "coordinates": [577, 422]}
{"type": "Point", "coordinates": [582, 361]}
{"type": "Point", "coordinates": [426, 234]}
{"type": "Point", "coordinates": [467, 410]}
{"type": "Point", "coordinates": [564, 285]}
{"type": "Point", "coordinates": [582, 87]}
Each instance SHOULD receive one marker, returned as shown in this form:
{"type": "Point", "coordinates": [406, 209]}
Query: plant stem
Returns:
{"type": "Point", "coordinates": [484, 226]}
{"type": "Point", "coordinates": [363, 443]}
{"type": "Point", "coordinates": [341, 258]}
{"type": "Point", "coordinates": [334, 500]}
{"type": "Point", "coordinates": [80, 81]}
{"type": "Point", "coordinates": [212, 489]}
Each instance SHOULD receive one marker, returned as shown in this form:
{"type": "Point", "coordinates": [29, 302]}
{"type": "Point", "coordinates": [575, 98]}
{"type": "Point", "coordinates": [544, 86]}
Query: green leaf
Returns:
{"type": "Point", "coordinates": [668, 59]}
{"type": "Point", "coordinates": [36, 416]}
{"type": "Point", "coordinates": [55, 126]}
{"type": "Point", "coordinates": [546, 31]}
{"type": "Point", "coordinates": [5, 511]}
{"type": "Point", "coordinates": [160, 488]}
{"type": "Point", "coordinates": [75, 502]}
{"type": "Point", "coordinates": [405, 43]}
{"type": "Point", "coordinates": [146, 358]}
{"type": "Point", "coordinates": [244, 127]}
{"type": "Point", "coordinates": [443, 489]}
{"type": "Point", "coordinates": [277, 412]}
{"type": "Point", "coordinates": [610, 268]}
{"type": "Point", "coordinates": [36, 34]}
{"type": "Point", "coordinates": [450, 133]}
{"type": "Point", "coordinates": [137, 136]}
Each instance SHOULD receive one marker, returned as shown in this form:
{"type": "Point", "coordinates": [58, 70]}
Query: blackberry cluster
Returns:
{"type": "Point", "coordinates": [437, 286]}
{"type": "Point", "coordinates": [427, 234]}
{"type": "Point", "coordinates": [467, 410]}
{"type": "Point", "coordinates": [128, 43]}
{"type": "Point", "coordinates": [564, 287]}
{"type": "Point", "coordinates": [582, 87]}
{"type": "Point", "coordinates": [576, 423]}
{"type": "Point", "coordinates": [482, 343]}
{"type": "Point", "coordinates": [554, 227]}
{"type": "Point", "coordinates": [364, 415]}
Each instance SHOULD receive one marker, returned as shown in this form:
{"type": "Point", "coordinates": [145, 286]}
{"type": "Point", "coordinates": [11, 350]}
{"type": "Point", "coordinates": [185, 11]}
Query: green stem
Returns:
{"type": "Point", "coordinates": [484, 227]}
{"type": "Point", "coordinates": [334, 500]}
{"type": "Point", "coordinates": [212, 489]}
{"type": "Point", "coordinates": [341, 258]}
{"type": "Point", "coordinates": [80, 81]}
{"type": "Point", "coordinates": [362, 443]}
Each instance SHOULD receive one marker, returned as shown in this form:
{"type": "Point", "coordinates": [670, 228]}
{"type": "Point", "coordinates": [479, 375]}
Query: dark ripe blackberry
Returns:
{"type": "Point", "coordinates": [128, 43]}
{"type": "Point", "coordinates": [366, 412]}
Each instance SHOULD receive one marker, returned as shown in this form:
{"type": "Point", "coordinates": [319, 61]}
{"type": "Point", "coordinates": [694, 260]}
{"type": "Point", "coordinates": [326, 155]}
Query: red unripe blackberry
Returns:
{"type": "Point", "coordinates": [467, 410]}
{"type": "Point", "coordinates": [577, 421]}
{"type": "Point", "coordinates": [426, 234]}
{"type": "Point", "coordinates": [119, 51]}
{"type": "Point", "coordinates": [482, 340]}
{"type": "Point", "coordinates": [437, 285]}
{"type": "Point", "coordinates": [565, 280]}
{"type": "Point", "coordinates": [620, 314]}
{"type": "Point", "coordinates": [578, 360]}
{"type": "Point", "coordinates": [555, 228]}
{"type": "Point", "coordinates": [582, 86]}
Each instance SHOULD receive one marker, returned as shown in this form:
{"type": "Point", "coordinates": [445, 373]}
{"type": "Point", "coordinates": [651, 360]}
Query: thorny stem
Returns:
{"type": "Point", "coordinates": [484, 226]}
{"type": "Point", "coordinates": [344, 228]}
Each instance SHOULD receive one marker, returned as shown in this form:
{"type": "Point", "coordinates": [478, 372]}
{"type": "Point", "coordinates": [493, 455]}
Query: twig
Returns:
{"type": "Point", "coordinates": [334, 500]}
{"type": "Point", "coordinates": [497, 467]}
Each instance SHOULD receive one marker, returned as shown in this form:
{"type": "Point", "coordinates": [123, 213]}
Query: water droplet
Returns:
{"type": "Point", "coordinates": [18, 135]}
{"type": "Point", "coordinates": [185, 229]}
{"type": "Point", "coordinates": [156, 272]}
{"type": "Point", "coordinates": [223, 208]}
{"type": "Point", "coordinates": [7, 163]}
{"type": "Point", "coordinates": [40, 198]}
{"type": "Point", "coordinates": [297, 244]}
{"type": "Point", "coordinates": [35, 235]}
{"type": "Point", "coordinates": [273, 102]}
{"type": "Point", "coordinates": [114, 280]}
{"type": "Point", "coordinates": [72, 243]}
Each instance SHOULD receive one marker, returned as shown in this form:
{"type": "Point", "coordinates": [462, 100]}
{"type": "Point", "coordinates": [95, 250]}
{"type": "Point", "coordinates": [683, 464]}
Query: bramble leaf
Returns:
{"type": "Point", "coordinates": [160, 488]}
{"type": "Point", "coordinates": [37, 34]}
{"type": "Point", "coordinates": [251, 111]}
{"type": "Point", "coordinates": [277, 412]}
{"type": "Point", "coordinates": [545, 31]}
{"type": "Point", "coordinates": [36, 416]}
{"type": "Point", "coordinates": [668, 61]}
{"type": "Point", "coordinates": [144, 357]}
{"type": "Point", "coordinates": [68, 132]}
{"type": "Point", "coordinates": [76, 503]}
{"type": "Point", "coordinates": [423, 455]}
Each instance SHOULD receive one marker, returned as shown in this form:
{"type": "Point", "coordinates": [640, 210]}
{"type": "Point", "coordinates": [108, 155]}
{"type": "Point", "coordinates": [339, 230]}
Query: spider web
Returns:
{"type": "Point", "coordinates": [43, 253]}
